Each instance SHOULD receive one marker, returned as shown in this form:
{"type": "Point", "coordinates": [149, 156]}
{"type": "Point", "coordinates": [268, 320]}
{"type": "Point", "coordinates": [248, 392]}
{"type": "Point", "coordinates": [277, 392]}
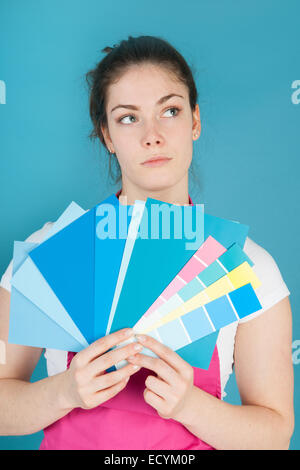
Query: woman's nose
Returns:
{"type": "Point", "coordinates": [152, 137]}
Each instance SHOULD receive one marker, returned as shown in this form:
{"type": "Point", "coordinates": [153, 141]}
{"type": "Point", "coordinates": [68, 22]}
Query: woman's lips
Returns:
{"type": "Point", "coordinates": [158, 161]}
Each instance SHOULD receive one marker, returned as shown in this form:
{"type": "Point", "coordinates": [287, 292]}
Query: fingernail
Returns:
{"type": "Point", "coordinates": [129, 332]}
{"type": "Point", "coordinates": [135, 367]}
{"type": "Point", "coordinates": [141, 338]}
{"type": "Point", "coordinates": [138, 347]}
{"type": "Point", "coordinates": [130, 358]}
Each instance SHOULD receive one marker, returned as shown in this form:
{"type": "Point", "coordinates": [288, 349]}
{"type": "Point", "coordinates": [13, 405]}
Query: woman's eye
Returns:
{"type": "Point", "coordinates": [132, 116]}
{"type": "Point", "coordinates": [174, 107]}
{"type": "Point", "coordinates": [128, 116]}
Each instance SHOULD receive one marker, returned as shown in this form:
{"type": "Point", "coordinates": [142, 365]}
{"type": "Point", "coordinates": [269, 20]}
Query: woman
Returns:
{"type": "Point", "coordinates": [143, 106]}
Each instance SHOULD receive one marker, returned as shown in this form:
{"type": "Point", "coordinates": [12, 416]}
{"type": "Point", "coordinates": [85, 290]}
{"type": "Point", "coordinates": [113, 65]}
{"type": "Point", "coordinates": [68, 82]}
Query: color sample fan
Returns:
{"type": "Point", "coordinates": [94, 274]}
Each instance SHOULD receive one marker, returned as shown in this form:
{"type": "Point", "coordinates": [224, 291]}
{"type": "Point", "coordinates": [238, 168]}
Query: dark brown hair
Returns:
{"type": "Point", "coordinates": [133, 51]}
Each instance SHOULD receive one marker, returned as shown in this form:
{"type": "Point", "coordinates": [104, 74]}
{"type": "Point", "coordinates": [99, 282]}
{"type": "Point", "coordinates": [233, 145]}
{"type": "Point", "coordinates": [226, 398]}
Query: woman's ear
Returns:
{"type": "Point", "coordinates": [107, 138]}
{"type": "Point", "coordinates": [196, 129]}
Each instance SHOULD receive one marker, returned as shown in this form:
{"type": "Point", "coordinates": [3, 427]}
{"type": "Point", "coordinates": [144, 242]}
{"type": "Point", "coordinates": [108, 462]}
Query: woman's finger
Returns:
{"type": "Point", "coordinates": [153, 399]}
{"type": "Point", "coordinates": [111, 358]}
{"type": "Point", "coordinates": [103, 395]}
{"type": "Point", "coordinates": [111, 378]}
{"type": "Point", "coordinates": [158, 386]}
{"type": "Point", "coordinates": [158, 365]}
{"type": "Point", "coordinates": [164, 352]}
{"type": "Point", "coordinates": [100, 346]}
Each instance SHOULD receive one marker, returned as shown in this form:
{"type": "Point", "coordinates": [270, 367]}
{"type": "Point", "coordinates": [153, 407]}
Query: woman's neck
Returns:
{"type": "Point", "coordinates": [174, 195]}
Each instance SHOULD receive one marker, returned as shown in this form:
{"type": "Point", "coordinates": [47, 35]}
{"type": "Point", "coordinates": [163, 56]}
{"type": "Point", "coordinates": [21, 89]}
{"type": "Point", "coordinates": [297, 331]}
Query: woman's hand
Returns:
{"type": "Point", "coordinates": [86, 384]}
{"type": "Point", "coordinates": [169, 392]}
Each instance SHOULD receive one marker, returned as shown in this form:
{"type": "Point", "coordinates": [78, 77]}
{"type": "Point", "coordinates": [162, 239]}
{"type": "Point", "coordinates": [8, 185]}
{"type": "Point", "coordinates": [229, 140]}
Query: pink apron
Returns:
{"type": "Point", "coordinates": [127, 422]}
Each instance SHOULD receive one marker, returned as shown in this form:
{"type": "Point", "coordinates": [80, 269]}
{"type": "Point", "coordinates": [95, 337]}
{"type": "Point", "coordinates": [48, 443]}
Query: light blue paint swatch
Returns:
{"type": "Point", "coordinates": [196, 321]}
{"type": "Point", "coordinates": [172, 335]}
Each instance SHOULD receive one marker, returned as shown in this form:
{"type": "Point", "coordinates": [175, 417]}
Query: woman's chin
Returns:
{"type": "Point", "coordinates": [157, 184]}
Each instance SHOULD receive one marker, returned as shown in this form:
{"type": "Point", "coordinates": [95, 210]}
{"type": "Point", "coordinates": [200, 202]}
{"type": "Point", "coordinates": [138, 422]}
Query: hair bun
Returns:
{"type": "Point", "coordinates": [107, 49]}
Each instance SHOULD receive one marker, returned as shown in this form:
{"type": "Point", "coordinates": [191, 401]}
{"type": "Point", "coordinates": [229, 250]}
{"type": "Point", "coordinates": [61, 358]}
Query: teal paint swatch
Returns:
{"type": "Point", "coordinates": [190, 290]}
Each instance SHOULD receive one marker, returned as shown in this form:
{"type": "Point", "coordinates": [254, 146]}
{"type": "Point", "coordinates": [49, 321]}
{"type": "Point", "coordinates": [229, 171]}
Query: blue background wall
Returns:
{"type": "Point", "coordinates": [246, 57]}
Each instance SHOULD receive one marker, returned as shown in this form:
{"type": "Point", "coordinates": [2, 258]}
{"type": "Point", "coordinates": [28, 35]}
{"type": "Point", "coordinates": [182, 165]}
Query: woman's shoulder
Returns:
{"type": "Point", "coordinates": [38, 235]}
{"type": "Point", "coordinates": [264, 263]}
{"type": "Point", "coordinates": [272, 288]}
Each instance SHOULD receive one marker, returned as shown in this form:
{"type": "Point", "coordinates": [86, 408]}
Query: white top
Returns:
{"type": "Point", "coordinates": [272, 290]}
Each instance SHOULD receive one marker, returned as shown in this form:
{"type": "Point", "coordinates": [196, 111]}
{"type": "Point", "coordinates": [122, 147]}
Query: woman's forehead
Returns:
{"type": "Point", "coordinates": [144, 83]}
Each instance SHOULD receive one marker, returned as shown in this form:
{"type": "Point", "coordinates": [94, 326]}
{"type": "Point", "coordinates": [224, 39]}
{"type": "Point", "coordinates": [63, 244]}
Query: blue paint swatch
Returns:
{"type": "Point", "coordinates": [196, 321]}
{"type": "Point", "coordinates": [245, 301]}
{"type": "Point", "coordinates": [220, 312]}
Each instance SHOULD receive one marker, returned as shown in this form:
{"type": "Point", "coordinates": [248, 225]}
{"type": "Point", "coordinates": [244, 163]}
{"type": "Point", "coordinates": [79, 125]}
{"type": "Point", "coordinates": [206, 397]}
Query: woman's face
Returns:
{"type": "Point", "coordinates": [143, 124]}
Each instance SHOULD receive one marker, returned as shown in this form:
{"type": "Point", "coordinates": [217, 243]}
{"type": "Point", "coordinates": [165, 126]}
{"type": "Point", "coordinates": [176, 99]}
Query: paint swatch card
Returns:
{"type": "Point", "coordinates": [228, 232]}
{"type": "Point", "coordinates": [207, 319]}
{"type": "Point", "coordinates": [209, 251]}
{"type": "Point", "coordinates": [29, 325]}
{"type": "Point", "coordinates": [225, 232]}
{"type": "Point", "coordinates": [113, 266]}
{"type": "Point", "coordinates": [67, 263]}
{"type": "Point", "coordinates": [172, 329]}
{"type": "Point", "coordinates": [238, 277]}
{"type": "Point", "coordinates": [136, 215]}
{"type": "Point", "coordinates": [167, 240]}
{"type": "Point", "coordinates": [228, 261]}
{"type": "Point", "coordinates": [111, 230]}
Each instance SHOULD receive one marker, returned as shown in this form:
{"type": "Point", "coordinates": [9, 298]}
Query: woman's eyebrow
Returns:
{"type": "Point", "coordinates": [136, 108]}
